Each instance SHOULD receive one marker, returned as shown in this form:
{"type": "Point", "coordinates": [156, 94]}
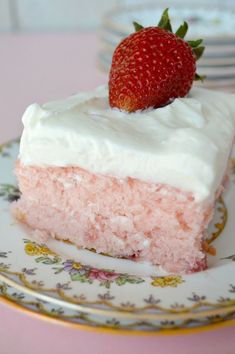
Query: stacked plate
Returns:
{"type": "Point", "coordinates": [215, 25]}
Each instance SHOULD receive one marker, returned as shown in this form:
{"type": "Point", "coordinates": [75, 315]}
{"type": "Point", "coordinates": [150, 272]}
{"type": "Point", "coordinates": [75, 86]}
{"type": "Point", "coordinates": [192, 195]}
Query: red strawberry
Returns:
{"type": "Point", "coordinates": [153, 66]}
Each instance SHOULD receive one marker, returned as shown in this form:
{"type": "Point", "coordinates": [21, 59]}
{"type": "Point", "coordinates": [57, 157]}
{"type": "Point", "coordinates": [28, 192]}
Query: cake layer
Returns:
{"type": "Point", "coordinates": [122, 217]}
{"type": "Point", "coordinates": [185, 144]}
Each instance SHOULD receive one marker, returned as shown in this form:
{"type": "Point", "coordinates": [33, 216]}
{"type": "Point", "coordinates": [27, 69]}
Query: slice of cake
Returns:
{"type": "Point", "coordinates": [137, 185]}
{"type": "Point", "coordinates": [134, 170]}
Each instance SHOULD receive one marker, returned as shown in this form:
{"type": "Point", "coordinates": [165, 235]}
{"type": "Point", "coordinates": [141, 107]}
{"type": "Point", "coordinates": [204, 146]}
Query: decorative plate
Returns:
{"type": "Point", "coordinates": [215, 24]}
{"type": "Point", "coordinates": [85, 289]}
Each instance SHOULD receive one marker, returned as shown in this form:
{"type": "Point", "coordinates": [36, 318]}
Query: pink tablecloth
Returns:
{"type": "Point", "coordinates": [43, 67]}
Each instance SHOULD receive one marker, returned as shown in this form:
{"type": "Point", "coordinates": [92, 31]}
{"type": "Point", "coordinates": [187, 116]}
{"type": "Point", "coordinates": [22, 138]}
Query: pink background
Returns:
{"type": "Point", "coordinates": [36, 68]}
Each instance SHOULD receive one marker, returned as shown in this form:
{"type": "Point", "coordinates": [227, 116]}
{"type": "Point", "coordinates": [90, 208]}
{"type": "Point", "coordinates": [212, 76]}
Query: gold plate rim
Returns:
{"type": "Point", "coordinates": [115, 331]}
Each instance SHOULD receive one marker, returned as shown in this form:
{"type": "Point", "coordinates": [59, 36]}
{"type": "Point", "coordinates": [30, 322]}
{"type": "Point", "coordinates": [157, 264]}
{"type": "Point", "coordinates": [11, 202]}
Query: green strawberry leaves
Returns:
{"type": "Point", "coordinates": [137, 26]}
{"type": "Point", "coordinates": [165, 22]}
{"type": "Point", "coordinates": [194, 44]}
{"type": "Point", "coordinates": [198, 51]}
{"type": "Point", "coordinates": [182, 30]}
{"type": "Point", "coordinates": [199, 77]}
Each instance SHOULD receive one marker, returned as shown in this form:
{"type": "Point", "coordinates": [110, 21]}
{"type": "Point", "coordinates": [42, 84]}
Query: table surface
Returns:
{"type": "Point", "coordinates": [37, 68]}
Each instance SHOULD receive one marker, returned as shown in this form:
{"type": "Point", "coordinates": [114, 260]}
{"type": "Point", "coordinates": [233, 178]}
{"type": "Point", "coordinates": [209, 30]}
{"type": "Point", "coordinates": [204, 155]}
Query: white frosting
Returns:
{"type": "Point", "coordinates": [185, 144]}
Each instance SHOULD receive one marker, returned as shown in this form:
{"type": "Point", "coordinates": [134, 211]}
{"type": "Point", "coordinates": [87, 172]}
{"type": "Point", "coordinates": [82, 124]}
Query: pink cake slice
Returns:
{"type": "Point", "coordinates": [129, 209]}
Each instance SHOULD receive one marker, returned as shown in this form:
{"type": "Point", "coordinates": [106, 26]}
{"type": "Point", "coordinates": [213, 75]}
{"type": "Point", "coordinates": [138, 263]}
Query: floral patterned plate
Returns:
{"type": "Point", "coordinates": [58, 281]}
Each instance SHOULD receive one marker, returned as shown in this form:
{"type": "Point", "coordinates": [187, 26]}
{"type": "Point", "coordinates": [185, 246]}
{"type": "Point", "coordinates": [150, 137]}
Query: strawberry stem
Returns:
{"type": "Point", "coordinates": [182, 30]}
{"type": "Point", "coordinates": [165, 22]}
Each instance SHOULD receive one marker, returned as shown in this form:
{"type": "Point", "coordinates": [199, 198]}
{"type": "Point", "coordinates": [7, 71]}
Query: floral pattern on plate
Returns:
{"type": "Point", "coordinates": [76, 270]}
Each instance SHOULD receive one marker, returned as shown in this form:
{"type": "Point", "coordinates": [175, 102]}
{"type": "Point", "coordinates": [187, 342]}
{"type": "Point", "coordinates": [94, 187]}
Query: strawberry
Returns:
{"type": "Point", "coordinates": [153, 66]}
